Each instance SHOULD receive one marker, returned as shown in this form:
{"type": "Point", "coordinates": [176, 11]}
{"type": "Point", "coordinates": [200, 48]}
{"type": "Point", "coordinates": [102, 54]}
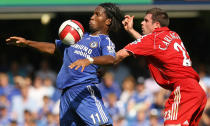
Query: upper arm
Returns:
{"type": "Point", "coordinates": [59, 45]}
{"type": "Point", "coordinates": [143, 46]}
{"type": "Point", "coordinates": [108, 47]}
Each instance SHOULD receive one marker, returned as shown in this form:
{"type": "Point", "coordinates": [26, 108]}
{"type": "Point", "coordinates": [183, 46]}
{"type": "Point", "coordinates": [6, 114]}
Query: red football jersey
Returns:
{"type": "Point", "coordinates": [166, 55]}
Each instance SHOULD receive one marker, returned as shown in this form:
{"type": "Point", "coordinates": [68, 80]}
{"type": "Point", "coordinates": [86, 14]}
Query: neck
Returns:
{"type": "Point", "coordinates": [97, 33]}
{"type": "Point", "coordinates": [104, 31]}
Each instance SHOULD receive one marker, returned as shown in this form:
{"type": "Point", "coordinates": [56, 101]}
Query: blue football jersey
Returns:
{"type": "Point", "coordinates": [88, 46]}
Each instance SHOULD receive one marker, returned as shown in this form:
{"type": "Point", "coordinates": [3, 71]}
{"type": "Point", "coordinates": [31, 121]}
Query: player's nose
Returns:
{"type": "Point", "coordinates": [92, 17]}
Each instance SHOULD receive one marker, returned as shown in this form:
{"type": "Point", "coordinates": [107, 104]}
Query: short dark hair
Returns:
{"type": "Point", "coordinates": [159, 15]}
{"type": "Point", "coordinates": [114, 13]}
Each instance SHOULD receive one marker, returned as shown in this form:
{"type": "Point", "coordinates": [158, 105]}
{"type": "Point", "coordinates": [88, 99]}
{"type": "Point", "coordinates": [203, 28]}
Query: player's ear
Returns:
{"type": "Point", "coordinates": [157, 24]}
{"type": "Point", "coordinates": [108, 21]}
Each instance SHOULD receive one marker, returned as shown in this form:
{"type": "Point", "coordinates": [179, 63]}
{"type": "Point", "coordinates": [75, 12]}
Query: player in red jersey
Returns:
{"type": "Point", "coordinates": [170, 65]}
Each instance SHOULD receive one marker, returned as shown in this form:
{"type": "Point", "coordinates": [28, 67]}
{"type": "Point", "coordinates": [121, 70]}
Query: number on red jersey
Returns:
{"type": "Point", "coordinates": [178, 47]}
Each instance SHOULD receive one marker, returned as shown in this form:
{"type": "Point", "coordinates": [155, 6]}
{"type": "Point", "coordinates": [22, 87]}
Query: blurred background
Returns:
{"type": "Point", "coordinates": [28, 96]}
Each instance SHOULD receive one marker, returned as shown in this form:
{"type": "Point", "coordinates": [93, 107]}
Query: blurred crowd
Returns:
{"type": "Point", "coordinates": [28, 96]}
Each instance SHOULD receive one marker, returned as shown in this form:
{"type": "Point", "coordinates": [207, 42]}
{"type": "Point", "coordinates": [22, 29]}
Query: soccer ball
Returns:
{"type": "Point", "coordinates": [70, 32]}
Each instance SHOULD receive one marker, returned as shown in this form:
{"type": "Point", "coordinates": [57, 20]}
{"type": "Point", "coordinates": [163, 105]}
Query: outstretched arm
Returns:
{"type": "Point", "coordinates": [41, 46]}
{"type": "Point", "coordinates": [128, 26]}
{"type": "Point", "coordinates": [99, 60]}
{"type": "Point", "coordinates": [121, 55]}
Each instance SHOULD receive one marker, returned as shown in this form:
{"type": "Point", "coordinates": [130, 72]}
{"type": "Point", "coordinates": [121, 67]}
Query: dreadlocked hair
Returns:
{"type": "Point", "coordinates": [113, 12]}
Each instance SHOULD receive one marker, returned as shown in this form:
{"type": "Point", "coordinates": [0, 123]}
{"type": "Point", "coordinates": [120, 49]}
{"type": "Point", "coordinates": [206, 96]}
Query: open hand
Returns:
{"type": "Point", "coordinates": [80, 63]}
{"type": "Point", "coordinates": [128, 22]}
{"type": "Point", "coordinates": [17, 41]}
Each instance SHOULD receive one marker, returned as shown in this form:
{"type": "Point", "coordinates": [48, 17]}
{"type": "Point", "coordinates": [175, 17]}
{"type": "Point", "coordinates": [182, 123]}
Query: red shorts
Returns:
{"type": "Point", "coordinates": [185, 104]}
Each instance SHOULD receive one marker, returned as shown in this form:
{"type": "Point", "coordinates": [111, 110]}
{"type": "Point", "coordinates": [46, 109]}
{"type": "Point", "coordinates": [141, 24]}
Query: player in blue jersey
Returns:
{"type": "Point", "coordinates": [81, 102]}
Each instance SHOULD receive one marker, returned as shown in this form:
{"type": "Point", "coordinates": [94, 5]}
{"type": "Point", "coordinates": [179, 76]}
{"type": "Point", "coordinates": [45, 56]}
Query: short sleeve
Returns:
{"type": "Point", "coordinates": [60, 45]}
{"type": "Point", "coordinates": [107, 46]}
{"type": "Point", "coordinates": [143, 46]}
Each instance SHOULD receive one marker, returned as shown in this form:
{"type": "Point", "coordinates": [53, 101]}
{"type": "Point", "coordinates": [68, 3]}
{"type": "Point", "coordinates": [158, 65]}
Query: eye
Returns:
{"type": "Point", "coordinates": [145, 20]}
{"type": "Point", "coordinates": [97, 13]}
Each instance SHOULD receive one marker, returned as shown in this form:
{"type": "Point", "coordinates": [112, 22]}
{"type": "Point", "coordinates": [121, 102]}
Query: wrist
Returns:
{"type": "Point", "coordinates": [131, 30]}
{"type": "Point", "coordinates": [91, 60]}
{"type": "Point", "coordinates": [27, 42]}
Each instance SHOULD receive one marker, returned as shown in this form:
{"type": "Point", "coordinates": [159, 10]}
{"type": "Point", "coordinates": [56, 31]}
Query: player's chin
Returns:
{"type": "Point", "coordinates": [144, 32]}
{"type": "Point", "coordinates": [92, 29]}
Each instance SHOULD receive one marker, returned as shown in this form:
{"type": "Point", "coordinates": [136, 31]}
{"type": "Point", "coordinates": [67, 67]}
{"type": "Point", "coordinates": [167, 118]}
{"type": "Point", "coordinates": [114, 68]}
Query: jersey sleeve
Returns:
{"type": "Point", "coordinates": [142, 46]}
{"type": "Point", "coordinates": [107, 46]}
{"type": "Point", "coordinates": [60, 45]}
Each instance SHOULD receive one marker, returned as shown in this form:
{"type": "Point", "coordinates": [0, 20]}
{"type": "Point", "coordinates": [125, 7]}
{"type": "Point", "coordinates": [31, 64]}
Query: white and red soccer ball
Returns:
{"type": "Point", "coordinates": [70, 32]}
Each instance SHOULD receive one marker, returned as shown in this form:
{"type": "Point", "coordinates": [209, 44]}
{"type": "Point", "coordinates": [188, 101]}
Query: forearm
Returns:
{"type": "Point", "coordinates": [121, 55]}
{"type": "Point", "coordinates": [104, 60]}
{"type": "Point", "coordinates": [42, 46]}
{"type": "Point", "coordinates": [128, 26]}
{"type": "Point", "coordinates": [134, 33]}
{"type": "Point", "coordinates": [99, 60]}
{"type": "Point", "coordinates": [118, 59]}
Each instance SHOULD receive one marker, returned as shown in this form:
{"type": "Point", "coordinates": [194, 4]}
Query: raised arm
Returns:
{"type": "Point", "coordinates": [40, 46]}
{"type": "Point", "coordinates": [128, 26]}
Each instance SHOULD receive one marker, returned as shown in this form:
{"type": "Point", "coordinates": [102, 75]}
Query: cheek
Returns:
{"type": "Point", "coordinates": [98, 23]}
{"type": "Point", "coordinates": [149, 27]}
{"type": "Point", "coordinates": [146, 27]}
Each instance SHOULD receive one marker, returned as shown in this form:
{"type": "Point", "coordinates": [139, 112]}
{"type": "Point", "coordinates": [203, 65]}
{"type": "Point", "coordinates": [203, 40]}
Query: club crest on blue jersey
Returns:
{"type": "Point", "coordinates": [93, 44]}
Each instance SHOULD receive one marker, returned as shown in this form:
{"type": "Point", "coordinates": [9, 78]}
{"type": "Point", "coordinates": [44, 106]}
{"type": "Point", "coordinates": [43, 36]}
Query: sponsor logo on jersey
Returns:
{"type": "Point", "coordinates": [110, 48]}
{"type": "Point", "coordinates": [82, 50]}
{"type": "Point", "coordinates": [93, 44]}
{"type": "Point", "coordinates": [138, 40]}
{"type": "Point", "coordinates": [186, 123]}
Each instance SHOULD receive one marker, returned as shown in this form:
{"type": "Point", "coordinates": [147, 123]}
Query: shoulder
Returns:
{"type": "Point", "coordinates": [105, 40]}
{"type": "Point", "coordinates": [60, 44]}
{"type": "Point", "coordinates": [143, 39]}
{"type": "Point", "coordinates": [86, 34]}
{"type": "Point", "coordinates": [147, 37]}
{"type": "Point", "coordinates": [104, 37]}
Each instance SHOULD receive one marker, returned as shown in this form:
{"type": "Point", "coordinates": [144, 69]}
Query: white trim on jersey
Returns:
{"type": "Point", "coordinates": [99, 43]}
{"type": "Point", "coordinates": [111, 46]}
{"type": "Point", "coordinates": [175, 105]}
{"type": "Point", "coordinates": [98, 104]}
{"type": "Point", "coordinates": [109, 41]}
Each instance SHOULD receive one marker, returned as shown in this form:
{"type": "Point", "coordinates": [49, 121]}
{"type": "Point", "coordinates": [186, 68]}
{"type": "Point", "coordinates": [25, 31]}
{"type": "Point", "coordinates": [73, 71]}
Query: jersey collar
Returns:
{"type": "Point", "coordinates": [161, 29]}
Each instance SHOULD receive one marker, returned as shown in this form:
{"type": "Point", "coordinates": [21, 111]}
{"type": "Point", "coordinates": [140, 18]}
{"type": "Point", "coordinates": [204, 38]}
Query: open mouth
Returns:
{"type": "Point", "coordinates": [91, 22]}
